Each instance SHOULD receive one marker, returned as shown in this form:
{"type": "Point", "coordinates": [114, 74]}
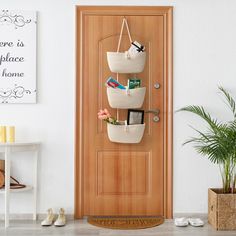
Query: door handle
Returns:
{"type": "Point", "coordinates": [155, 112]}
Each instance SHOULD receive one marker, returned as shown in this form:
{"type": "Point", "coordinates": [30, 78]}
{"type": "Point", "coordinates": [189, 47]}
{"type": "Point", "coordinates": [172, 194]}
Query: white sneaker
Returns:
{"type": "Point", "coordinates": [181, 222]}
{"type": "Point", "coordinates": [49, 220]}
{"type": "Point", "coordinates": [61, 220]}
{"type": "Point", "coordinates": [196, 222]}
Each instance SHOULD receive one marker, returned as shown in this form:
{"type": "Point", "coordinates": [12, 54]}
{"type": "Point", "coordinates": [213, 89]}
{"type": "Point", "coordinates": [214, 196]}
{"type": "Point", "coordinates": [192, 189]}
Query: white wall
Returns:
{"type": "Point", "coordinates": [204, 56]}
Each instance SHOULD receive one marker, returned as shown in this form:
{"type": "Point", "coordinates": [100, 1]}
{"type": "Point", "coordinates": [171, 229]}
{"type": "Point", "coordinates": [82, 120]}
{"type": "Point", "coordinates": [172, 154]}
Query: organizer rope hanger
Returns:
{"type": "Point", "coordinates": [124, 23]}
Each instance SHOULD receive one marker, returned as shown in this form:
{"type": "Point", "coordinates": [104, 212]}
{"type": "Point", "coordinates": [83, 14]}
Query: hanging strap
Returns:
{"type": "Point", "coordinates": [126, 126]}
{"type": "Point", "coordinates": [124, 22]}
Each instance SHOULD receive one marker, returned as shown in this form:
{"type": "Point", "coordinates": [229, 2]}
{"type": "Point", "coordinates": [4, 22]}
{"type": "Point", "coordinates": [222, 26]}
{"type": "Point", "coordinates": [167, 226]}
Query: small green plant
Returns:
{"type": "Point", "coordinates": [218, 142]}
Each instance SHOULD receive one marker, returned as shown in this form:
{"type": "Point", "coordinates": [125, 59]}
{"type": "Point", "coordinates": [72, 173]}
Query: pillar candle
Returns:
{"type": "Point", "coordinates": [2, 134]}
{"type": "Point", "coordinates": [10, 134]}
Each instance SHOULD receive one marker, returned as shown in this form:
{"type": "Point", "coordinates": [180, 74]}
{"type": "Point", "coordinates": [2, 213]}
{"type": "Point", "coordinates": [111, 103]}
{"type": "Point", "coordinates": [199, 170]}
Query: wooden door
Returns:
{"type": "Point", "coordinates": [115, 178]}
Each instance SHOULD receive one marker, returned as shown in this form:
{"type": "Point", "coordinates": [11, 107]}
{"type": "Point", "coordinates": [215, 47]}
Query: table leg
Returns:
{"type": "Point", "coordinates": [35, 184]}
{"type": "Point", "coordinates": [7, 184]}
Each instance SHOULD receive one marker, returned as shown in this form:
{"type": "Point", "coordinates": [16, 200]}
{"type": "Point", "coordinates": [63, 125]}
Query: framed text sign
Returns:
{"type": "Point", "coordinates": [18, 56]}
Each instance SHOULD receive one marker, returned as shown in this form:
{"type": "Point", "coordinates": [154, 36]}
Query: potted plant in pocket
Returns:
{"type": "Point", "coordinates": [218, 143]}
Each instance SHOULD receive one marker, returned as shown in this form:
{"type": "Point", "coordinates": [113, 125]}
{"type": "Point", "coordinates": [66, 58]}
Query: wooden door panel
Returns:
{"type": "Point", "coordinates": [125, 184]}
{"type": "Point", "coordinates": [122, 179]}
{"type": "Point", "coordinates": [123, 173]}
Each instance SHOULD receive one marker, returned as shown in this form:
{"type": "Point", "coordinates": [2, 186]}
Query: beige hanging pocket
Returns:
{"type": "Point", "coordinates": [125, 133]}
{"type": "Point", "coordinates": [123, 62]}
{"type": "Point", "coordinates": [124, 99]}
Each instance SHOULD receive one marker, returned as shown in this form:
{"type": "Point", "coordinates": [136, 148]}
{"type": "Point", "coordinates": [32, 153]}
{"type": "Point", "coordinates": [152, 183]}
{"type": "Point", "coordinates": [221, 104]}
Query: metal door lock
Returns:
{"type": "Point", "coordinates": [157, 85]}
{"type": "Point", "coordinates": [156, 119]}
{"type": "Point", "coordinates": [155, 112]}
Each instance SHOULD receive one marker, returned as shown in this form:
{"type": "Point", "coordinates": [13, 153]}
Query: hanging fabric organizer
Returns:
{"type": "Point", "coordinates": [125, 133]}
{"type": "Point", "coordinates": [123, 62]}
{"type": "Point", "coordinates": [124, 99]}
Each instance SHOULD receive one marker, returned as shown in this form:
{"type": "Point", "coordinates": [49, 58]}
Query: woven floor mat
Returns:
{"type": "Point", "coordinates": [126, 222]}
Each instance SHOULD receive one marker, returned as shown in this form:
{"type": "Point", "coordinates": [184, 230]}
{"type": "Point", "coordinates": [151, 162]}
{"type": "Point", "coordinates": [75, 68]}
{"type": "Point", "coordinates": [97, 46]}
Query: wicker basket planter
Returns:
{"type": "Point", "coordinates": [221, 210]}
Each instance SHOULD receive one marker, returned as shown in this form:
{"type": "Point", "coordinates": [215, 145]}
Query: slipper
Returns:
{"type": "Point", "coordinates": [196, 222]}
{"type": "Point", "coordinates": [181, 222]}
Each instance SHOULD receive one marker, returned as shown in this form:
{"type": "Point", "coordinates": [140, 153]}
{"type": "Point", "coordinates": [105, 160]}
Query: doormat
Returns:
{"type": "Point", "coordinates": [126, 222]}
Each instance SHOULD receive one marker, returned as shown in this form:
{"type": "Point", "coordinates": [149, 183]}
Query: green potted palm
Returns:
{"type": "Point", "coordinates": [218, 143]}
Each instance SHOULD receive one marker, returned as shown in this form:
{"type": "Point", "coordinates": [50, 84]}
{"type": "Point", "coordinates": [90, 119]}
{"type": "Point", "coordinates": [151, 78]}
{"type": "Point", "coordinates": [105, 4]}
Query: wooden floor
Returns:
{"type": "Point", "coordinates": [82, 228]}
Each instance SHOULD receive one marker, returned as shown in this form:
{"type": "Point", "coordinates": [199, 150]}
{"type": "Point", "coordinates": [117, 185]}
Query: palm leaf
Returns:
{"type": "Point", "coordinates": [230, 100]}
{"type": "Point", "coordinates": [200, 111]}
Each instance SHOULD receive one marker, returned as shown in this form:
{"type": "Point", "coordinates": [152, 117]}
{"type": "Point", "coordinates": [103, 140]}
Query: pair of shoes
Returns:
{"type": "Point", "coordinates": [196, 222]}
{"type": "Point", "coordinates": [182, 222]}
{"type": "Point", "coordinates": [61, 219]}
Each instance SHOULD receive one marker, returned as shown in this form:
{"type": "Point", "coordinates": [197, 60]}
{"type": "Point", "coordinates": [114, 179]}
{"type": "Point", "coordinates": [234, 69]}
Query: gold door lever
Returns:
{"type": "Point", "coordinates": [154, 111]}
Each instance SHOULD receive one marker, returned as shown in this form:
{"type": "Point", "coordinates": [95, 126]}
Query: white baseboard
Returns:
{"type": "Point", "coordinates": [29, 216]}
{"type": "Point", "coordinates": [188, 215]}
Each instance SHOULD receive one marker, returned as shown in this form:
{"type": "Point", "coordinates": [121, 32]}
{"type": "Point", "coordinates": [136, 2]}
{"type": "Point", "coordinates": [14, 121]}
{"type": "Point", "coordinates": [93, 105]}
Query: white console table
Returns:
{"type": "Point", "coordinates": [7, 149]}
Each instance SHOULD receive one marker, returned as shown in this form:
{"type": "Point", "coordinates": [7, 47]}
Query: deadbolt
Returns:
{"type": "Point", "coordinates": [156, 85]}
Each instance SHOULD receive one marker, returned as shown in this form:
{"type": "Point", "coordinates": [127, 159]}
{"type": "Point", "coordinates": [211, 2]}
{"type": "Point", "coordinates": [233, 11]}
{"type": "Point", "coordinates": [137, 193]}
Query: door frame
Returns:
{"type": "Point", "coordinates": [167, 13]}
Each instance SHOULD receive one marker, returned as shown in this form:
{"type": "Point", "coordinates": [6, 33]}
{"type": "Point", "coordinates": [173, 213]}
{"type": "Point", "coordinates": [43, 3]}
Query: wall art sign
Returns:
{"type": "Point", "coordinates": [18, 30]}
